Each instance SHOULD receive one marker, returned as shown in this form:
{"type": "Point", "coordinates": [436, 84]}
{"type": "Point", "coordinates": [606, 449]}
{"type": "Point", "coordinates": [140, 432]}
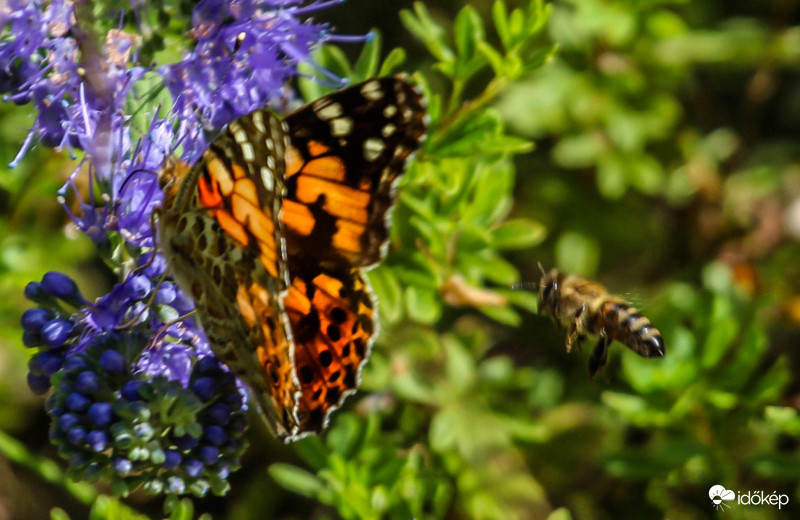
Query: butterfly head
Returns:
{"type": "Point", "coordinates": [169, 178]}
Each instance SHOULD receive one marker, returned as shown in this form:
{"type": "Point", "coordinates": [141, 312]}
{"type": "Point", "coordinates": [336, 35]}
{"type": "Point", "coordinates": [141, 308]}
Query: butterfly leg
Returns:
{"type": "Point", "coordinates": [166, 326]}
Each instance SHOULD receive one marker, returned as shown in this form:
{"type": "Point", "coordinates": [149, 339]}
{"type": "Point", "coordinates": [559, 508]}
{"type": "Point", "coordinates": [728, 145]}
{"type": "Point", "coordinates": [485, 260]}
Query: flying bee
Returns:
{"type": "Point", "coordinates": [589, 310]}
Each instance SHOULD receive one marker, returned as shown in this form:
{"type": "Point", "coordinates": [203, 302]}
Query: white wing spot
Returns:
{"type": "Point", "coordinates": [341, 126]}
{"type": "Point", "coordinates": [271, 162]}
{"type": "Point", "coordinates": [239, 135]}
{"type": "Point", "coordinates": [248, 152]}
{"type": "Point", "coordinates": [373, 147]}
{"type": "Point", "coordinates": [389, 110]}
{"type": "Point", "coordinates": [267, 178]}
{"type": "Point", "coordinates": [258, 121]}
{"type": "Point", "coordinates": [372, 90]}
{"type": "Point", "coordinates": [270, 144]}
{"type": "Point", "coordinates": [330, 112]}
{"type": "Point", "coordinates": [388, 130]}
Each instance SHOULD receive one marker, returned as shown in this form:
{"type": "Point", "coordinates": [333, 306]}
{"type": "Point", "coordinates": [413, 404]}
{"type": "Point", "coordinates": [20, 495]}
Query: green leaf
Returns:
{"type": "Point", "coordinates": [148, 98]}
{"type": "Point", "coordinates": [423, 305]}
{"type": "Point", "coordinates": [297, 480]}
{"type": "Point", "coordinates": [335, 60]}
{"type": "Point", "coordinates": [468, 31]}
{"type": "Point", "coordinates": [442, 430]}
{"type": "Point", "coordinates": [527, 299]}
{"type": "Point", "coordinates": [500, 17]}
{"type": "Point", "coordinates": [389, 292]}
{"type": "Point", "coordinates": [394, 59]}
{"type": "Point", "coordinates": [495, 59]}
{"type": "Point", "coordinates": [517, 234]}
{"type": "Point", "coordinates": [184, 510]}
{"type": "Point", "coordinates": [460, 366]}
{"type": "Point", "coordinates": [424, 28]}
{"type": "Point", "coordinates": [561, 513]}
{"type": "Point", "coordinates": [719, 340]}
{"type": "Point", "coordinates": [58, 514]}
{"type": "Point", "coordinates": [490, 266]}
{"type": "Point", "coordinates": [505, 315]}
{"type": "Point", "coordinates": [367, 63]}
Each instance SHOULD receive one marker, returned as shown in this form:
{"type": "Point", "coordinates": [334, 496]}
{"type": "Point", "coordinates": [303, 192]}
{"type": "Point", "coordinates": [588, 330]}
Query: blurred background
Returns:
{"type": "Point", "coordinates": [666, 166]}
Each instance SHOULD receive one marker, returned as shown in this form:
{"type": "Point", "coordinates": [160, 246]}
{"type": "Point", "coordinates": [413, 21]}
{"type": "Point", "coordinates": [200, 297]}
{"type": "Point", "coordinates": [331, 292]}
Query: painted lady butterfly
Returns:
{"type": "Point", "coordinates": [271, 231]}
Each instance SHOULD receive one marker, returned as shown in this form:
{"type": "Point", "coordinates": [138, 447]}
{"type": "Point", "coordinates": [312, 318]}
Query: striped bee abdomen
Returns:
{"type": "Point", "coordinates": [622, 322]}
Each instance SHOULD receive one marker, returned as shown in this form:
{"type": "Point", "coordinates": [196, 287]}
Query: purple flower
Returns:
{"type": "Point", "coordinates": [120, 361]}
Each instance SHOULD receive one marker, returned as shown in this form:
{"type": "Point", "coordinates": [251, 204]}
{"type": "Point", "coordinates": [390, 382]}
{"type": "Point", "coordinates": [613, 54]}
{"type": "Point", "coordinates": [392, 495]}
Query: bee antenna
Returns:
{"type": "Point", "coordinates": [541, 268]}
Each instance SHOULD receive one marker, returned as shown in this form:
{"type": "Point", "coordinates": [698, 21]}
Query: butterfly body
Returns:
{"type": "Point", "coordinates": [270, 233]}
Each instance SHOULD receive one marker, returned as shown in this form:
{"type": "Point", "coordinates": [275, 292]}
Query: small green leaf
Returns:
{"type": "Point", "coordinates": [58, 514]}
{"type": "Point", "coordinates": [424, 28]}
{"type": "Point", "coordinates": [494, 58]}
{"type": "Point", "coordinates": [490, 266]}
{"type": "Point", "coordinates": [719, 340]}
{"type": "Point", "coordinates": [528, 299]}
{"type": "Point", "coordinates": [389, 292]}
{"type": "Point", "coordinates": [505, 315]}
{"type": "Point", "coordinates": [393, 60]}
{"type": "Point", "coordinates": [561, 513]}
{"type": "Point", "coordinates": [442, 430]}
{"type": "Point", "coordinates": [468, 31]}
{"type": "Point", "coordinates": [517, 234]}
{"type": "Point", "coordinates": [367, 63]}
{"type": "Point", "coordinates": [334, 59]}
{"type": "Point", "coordinates": [500, 17]}
{"type": "Point", "coordinates": [459, 366]}
{"type": "Point", "coordinates": [423, 305]}
{"type": "Point", "coordinates": [297, 480]}
{"type": "Point", "coordinates": [184, 510]}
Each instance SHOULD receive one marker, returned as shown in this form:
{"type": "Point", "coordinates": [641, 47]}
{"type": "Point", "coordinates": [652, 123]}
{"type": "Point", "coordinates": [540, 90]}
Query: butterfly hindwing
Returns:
{"type": "Point", "coordinates": [333, 324]}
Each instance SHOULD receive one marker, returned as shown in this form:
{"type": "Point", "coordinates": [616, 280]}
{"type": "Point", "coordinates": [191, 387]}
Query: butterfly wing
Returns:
{"type": "Point", "coordinates": [222, 236]}
{"type": "Point", "coordinates": [346, 152]}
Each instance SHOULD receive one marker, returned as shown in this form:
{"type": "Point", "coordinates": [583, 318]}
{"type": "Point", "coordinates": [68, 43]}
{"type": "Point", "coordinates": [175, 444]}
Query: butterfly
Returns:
{"type": "Point", "coordinates": [271, 231]}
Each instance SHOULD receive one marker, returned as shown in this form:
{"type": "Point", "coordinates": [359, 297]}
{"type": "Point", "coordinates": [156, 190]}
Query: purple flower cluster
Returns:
{"type": "Point", "coordinates": [241, 65]}
{"type": "Point", "coordinates": [114, 363]}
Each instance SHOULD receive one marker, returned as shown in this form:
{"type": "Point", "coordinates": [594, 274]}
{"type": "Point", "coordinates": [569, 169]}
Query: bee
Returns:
{"type": "Point", "coordinates": [589, 310]}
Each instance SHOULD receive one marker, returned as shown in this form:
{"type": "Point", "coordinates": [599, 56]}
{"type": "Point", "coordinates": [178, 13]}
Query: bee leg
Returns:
{"type": "Point", "coordinates": [599, 355]}
{"type": "Point", "coordinates": [573, 329]}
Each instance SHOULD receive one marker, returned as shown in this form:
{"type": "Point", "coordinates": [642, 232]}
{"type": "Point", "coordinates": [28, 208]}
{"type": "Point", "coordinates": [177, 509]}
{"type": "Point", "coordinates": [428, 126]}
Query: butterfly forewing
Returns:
{"type": "Point", "coordinates": [346, 151]}
{"type": "Point", "coordinates": [222, 235]}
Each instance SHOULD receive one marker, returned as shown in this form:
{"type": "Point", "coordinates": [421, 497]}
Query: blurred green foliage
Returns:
{"type": "Point", "coordinates": [666, 165]}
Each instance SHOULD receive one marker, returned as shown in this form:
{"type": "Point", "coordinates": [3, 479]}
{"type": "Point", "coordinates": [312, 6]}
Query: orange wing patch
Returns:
{"type": "Point", "coordinates": [273, 352]}
{"type": "Point", "coordinates": [332, 322]}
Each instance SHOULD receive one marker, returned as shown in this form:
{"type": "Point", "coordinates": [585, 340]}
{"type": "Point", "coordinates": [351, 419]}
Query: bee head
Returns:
{"type": "Point", "coordinates": [549, 292]}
